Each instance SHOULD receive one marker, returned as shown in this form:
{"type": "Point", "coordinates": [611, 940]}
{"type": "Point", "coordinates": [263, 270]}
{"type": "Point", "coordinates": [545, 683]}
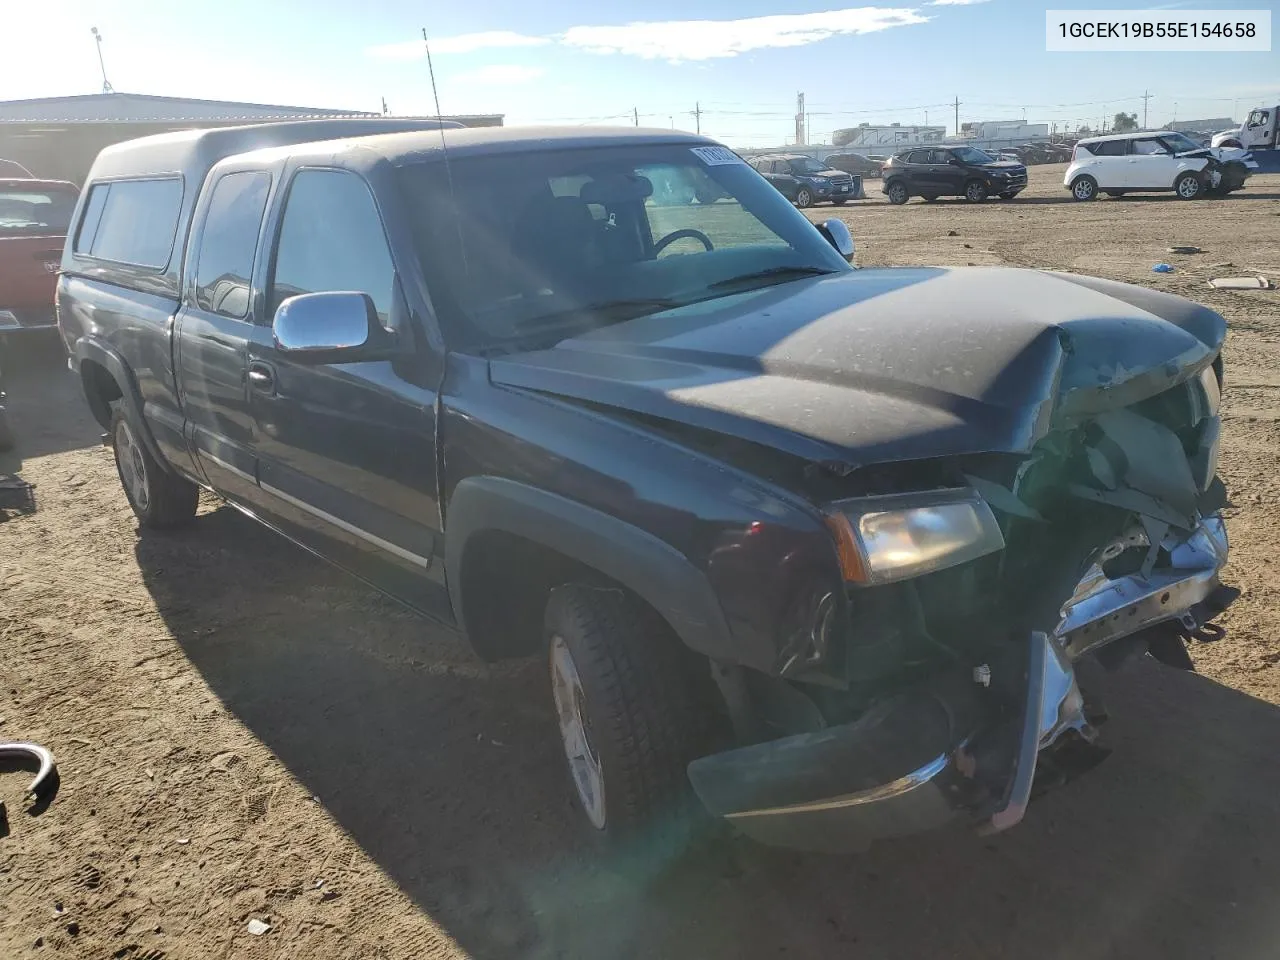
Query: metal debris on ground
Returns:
{"type": "Point", "coordinates": [1185, 250]}
{"type": "Point", "coordinates": [1241, 283]}
{"type": "Point", "coordinates": [257, 927]}
{"type": "Point", "coordinates": [46, 773]}
{"type": "Point", "coordinates": [17, 494]}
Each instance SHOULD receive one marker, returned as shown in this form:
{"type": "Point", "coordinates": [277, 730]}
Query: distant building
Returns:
{"type": "Point", "coordinates": [886, 137]}
{"type": "Point", "coordinates": [1215, 125]}
{"type": "Point", "coordinates": [1003, 130]}
{"type": "Point", "coordinates": [58, 137]}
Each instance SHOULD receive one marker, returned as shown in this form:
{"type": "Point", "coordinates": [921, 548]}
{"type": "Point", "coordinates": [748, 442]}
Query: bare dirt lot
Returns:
{"type": "Point", "coordinates": [246, 733]}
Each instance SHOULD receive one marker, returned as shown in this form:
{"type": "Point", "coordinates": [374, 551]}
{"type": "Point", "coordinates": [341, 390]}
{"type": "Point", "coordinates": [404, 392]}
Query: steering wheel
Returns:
{"type": "Point", "coordinates": [675, 235]}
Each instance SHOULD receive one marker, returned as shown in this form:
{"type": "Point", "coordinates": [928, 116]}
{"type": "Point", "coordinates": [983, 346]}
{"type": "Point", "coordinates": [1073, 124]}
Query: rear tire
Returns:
{"type": "Point", "coordinates": [897, 193]}
{"type": "Point", "coordinates": [634, 708]}
{"type": "Point", "coordinates": [1084, 188]}
{"type": "Point", "coordinates": [1188, 186]}
{"type": "Point", "coordinates": [804, 198]}
{"type": "Point", "coordinates": [158, 497]}
{"type": "Point", "coordinates": [975, 191]}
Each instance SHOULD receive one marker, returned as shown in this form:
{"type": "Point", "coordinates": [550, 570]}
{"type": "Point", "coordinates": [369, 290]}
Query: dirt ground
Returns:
{"type": "Point", "coordinates": [246, 733]}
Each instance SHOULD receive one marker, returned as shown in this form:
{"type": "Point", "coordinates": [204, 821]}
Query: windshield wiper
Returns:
{"type": "Point", "coordinates": [777, 274]}
{"type": "Point", "coordinates": [613, 311]}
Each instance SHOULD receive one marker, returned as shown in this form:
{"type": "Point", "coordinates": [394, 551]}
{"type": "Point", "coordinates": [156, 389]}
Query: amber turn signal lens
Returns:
{"type": "Point", "coordinates": [851, 565]}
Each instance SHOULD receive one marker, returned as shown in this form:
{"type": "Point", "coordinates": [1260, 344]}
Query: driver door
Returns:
{"type": "Point", "coordinates": [346, 452]}
{"type": "Point", "coordinates": [1150, 164]}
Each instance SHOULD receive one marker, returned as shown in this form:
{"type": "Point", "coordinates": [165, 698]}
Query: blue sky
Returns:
{"type": "Point", "coordinates": [580, 61]}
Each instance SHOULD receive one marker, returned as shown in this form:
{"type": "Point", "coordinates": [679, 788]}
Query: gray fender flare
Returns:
{"type": "Point", "coordinates": [657, 572]}
{"type": "Point", "coordinates": [106, 357]}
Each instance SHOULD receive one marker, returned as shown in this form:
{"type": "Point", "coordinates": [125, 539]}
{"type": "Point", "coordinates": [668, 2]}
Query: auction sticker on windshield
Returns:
{"type": "Point", "coordinates": [1139, 31]}
{"type": "Point", "coordinates": [716, 156]}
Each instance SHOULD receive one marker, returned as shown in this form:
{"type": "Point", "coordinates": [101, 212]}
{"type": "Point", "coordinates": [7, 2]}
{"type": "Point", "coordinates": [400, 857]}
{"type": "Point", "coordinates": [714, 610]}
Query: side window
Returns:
{"type": "Point", "coordinates": [940, 156]}
{"type": "Point", "coordinates": [134, 222]}
{"type": "Point", "coordinates": [1149, 148]}
{"type": "Point", "coordinates": [1108, 148]}
{"type": "Point", "coordinates": [229, 241]}
{"type": "Point", "coordinates": [331, 238]}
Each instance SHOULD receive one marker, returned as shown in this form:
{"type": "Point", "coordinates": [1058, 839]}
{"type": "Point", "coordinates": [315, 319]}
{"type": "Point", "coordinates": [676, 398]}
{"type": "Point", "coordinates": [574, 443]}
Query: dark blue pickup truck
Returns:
{"type": "Point", "coordinates": [817, 546]}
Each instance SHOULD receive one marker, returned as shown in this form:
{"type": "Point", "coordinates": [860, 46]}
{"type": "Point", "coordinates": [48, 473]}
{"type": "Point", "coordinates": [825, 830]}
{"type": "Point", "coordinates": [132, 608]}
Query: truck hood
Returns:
{"type": "Point", "coordinates": [874, 366]}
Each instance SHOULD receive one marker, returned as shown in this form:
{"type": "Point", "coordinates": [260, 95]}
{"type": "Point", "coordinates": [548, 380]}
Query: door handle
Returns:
{"type": "Point", "coordinates": [262, 378]}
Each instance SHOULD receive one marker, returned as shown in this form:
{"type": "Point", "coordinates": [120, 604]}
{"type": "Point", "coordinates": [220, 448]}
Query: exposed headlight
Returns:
{"type": "Point", "coordinates": [1212, 391]}
{"type": "Point", "coordinates": [882, 539]}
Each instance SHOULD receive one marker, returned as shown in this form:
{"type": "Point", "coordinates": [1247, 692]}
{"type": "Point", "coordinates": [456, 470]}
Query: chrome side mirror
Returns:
{"type": "Point", "coordinates": [838, 236]}
{"type": "Point", "coordinates": [331, 327]}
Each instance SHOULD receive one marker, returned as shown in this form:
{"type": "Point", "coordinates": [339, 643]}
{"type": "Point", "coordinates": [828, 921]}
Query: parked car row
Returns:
{"type": "Point", "coordinates": [1116, 164]}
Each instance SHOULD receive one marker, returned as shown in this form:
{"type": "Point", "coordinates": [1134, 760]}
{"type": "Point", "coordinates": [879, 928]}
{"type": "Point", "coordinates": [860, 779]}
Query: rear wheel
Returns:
{"type": "Point", "coordinates": [897, 193]}
{"type": "Point", "coordinates": [804, 198]}
{"type": "Point", "coordinates": [633, 709]}
{"type": "Point", "coordinates": [158, 498]}
{"type": "Point", "coordinates": [975, 191]}
{"type": "Point", "coordinates": [1188, 186]}
{"type": "Point", "coordinates": [1084, 188]}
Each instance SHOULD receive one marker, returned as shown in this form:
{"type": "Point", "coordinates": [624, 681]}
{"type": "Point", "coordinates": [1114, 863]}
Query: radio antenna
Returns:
{"type": "Point", "coordinates": [444, 152]}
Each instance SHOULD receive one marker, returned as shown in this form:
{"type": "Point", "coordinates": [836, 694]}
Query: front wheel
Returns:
{"type": "Point", "coordinates": [1084, 188]}
{"type": "Point", "coordinates": [158, 498]}
{"type": "Point", "coordinates": [633, 710]}
{"type": "Point", "coordinates": [975, 191]}
{"type": "Point", "coordinates": [1188, 186]}
{"type": "Point", "coordinates": [804, 198]}
{"type": "Point", "coordinates": [897, 193]}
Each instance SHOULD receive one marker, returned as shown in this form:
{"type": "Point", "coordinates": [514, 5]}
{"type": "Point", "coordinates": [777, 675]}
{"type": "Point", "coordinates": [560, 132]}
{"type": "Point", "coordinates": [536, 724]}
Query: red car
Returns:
{"type": "Point", "coordinates": [34, 215]}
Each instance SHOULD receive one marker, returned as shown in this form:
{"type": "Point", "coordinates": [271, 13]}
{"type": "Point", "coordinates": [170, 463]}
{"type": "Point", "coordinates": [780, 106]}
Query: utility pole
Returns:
{"type": "Point", "coordinates": [697, 117]}
{"type": "Point", "coordinates": [106, 84]}
{"type": "Point", "coordinates": [957, 106]}
{"type": "Point", "coordinates": [635, 115]}
{"type": "Point", "coordinates": [799, 118]}
{"type": "Point", "coordinates": [1146, 95]}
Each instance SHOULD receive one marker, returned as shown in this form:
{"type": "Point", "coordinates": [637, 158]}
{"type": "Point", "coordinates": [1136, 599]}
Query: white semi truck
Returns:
{"type": "Point", "coordinates": [1259, 134]}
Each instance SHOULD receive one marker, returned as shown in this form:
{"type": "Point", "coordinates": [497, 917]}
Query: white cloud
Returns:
{"type": "Point", "coordinates": [463, 43]}
{"type": "Point", "coordinates": [681, 40]}
{"type": "Point", "coordinates": [497, 74]}
{"type": "Point", "coordinates": [954, 3]}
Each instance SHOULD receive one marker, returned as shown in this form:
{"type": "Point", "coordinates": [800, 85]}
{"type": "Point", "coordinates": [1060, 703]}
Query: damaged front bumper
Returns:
{"type": "Point", "coordinates": [943, 750]}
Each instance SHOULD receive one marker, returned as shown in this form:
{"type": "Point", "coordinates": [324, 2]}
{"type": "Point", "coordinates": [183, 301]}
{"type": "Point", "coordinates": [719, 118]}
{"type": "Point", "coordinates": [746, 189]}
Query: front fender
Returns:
{"type": "Point", "coordinates": [657, 572]}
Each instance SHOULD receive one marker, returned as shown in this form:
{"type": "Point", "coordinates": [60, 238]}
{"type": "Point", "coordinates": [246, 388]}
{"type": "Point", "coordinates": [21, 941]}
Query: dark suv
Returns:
{"type": "Point", "coordinates": [933, 172]}
{"type": "Point", "coordinates": [806, 181]}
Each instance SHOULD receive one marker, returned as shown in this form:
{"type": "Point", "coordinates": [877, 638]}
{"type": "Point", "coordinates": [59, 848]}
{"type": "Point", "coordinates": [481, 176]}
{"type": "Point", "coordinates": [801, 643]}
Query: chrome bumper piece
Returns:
{"type": "Point", "coordinates": [1102, 610]}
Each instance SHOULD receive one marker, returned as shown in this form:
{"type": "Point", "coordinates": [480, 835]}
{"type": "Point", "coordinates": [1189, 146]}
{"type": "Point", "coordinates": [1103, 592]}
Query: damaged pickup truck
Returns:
{"type": "Point", "coordinates": [821, 547]}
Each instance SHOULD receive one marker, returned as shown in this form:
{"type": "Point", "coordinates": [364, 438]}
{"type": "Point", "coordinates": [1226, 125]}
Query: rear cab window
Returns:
{"type": "Point", "coordinates": [131, 222]}
{"type": "Point", "coordinates": [1108, 148]}
{"type": "Point", "coordinates": [35, 211]}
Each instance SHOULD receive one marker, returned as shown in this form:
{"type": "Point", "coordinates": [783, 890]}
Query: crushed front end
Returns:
{"type": "Point", "coordinates": [941, 684]}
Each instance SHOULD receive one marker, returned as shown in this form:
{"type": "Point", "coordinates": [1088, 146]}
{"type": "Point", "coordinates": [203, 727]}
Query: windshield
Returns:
{"type": "Point", "coordinates": [568, 240]}
{"type": "Point", "coordinates": [1179, 143]}
{"type": "Point", "coordinates": [972, 155]}
{"type": "Point", "coordinates": [808, 165]}
{"type": "Point", "coordinates": [32, 212]}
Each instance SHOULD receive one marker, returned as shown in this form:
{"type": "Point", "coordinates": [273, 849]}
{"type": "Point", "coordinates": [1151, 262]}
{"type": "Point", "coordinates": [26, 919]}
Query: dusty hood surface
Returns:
{"type": "Point", "coordinates": [883, 365]}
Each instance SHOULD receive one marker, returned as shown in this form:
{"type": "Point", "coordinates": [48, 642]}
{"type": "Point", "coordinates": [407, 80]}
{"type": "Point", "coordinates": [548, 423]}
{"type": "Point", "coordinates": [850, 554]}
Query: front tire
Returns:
{"type": "Point", "coordinates": [897, 193]}
{"type": "Point", "coordinates": [1188, 186]}
{"type": "Point", "coordinates": [1084, 188]}
{"type": "Point", "coordinates": [633, 710]}
{"type": "Point", "coordinates": [159, 498]}
{"type": "Point", "coordinates": [804, 198]}
{"type": "Point", "coordinates": [975, 191]}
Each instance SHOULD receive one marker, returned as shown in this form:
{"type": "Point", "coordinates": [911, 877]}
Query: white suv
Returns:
{"type": "Point", "coordinates": [1148, 162]}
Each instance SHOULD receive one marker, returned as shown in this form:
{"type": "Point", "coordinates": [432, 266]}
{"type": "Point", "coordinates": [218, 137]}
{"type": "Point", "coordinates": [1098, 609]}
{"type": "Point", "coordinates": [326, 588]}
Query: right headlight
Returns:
{"type": "Point", "coordinates": [883, 539]}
